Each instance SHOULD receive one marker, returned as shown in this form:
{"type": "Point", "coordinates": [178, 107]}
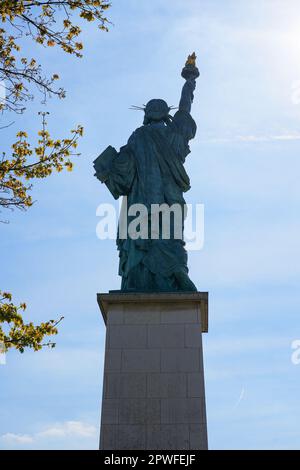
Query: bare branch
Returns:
{"type": "Point", "coordinates": [8, 125]}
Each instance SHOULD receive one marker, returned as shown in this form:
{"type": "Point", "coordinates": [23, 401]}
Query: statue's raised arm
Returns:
{"type": "Point", "coordinates": [190, 72]}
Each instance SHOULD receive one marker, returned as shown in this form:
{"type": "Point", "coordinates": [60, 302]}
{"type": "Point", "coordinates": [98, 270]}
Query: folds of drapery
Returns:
{"type": "Point", "coordinates": [116, 170]}
{"type": "Point", "coordinates": [149, 170]}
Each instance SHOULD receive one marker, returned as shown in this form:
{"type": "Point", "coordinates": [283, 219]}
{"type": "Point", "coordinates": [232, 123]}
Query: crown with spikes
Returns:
{"type": "Point", "coordinates": [142, 108]}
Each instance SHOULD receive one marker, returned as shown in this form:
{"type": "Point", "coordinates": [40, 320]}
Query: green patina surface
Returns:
{"type": "Point", "coordinates": [149, 170]}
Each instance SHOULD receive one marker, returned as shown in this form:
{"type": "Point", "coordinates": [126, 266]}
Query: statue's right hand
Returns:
{"type": "Point", "coordinates": [191, 82]}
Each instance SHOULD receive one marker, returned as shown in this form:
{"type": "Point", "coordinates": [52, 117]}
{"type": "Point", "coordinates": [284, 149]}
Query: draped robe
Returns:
{"type": "Point", "coordinates": [149, 169]}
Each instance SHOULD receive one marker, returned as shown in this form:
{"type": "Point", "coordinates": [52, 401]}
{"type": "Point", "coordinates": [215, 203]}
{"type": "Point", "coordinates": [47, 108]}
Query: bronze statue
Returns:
{"type": "Point", "coordinates": [149, 170]}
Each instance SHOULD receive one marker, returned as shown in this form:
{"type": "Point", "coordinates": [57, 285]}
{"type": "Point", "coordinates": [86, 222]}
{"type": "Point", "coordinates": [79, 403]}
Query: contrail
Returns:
{"type": "Point", "coordinates": [240, 398]}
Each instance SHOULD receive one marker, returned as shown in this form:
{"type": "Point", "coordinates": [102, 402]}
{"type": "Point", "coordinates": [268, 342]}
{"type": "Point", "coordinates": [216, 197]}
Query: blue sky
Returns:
{"type": "Point", "coordinates": [244, 167]}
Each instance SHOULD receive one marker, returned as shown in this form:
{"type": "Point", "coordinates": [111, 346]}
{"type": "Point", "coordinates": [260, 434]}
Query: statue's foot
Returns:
{"type": "Point", "coordinates": [184, 282]}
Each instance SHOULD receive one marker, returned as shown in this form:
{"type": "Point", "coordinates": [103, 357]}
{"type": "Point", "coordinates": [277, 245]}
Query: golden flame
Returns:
{"type": "Point", "coordinates": [191, 60]}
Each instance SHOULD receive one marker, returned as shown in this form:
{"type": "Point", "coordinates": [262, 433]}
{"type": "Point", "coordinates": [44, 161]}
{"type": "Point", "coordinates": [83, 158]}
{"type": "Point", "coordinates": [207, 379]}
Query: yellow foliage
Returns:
{"type": "Point", "coordinates": [47, 24]}
{"type": "Point", "coordinates": [21, 335]}
{"type": "Point", "coordinates": [29, 163]}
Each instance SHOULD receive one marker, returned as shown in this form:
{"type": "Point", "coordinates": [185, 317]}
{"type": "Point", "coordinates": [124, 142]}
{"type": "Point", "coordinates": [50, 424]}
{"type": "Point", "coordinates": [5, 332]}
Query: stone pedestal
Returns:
{"type": "Point", "coordinates": [153, 391]}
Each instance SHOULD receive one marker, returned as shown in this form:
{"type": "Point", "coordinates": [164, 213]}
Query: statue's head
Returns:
{"type": "Point", "coordinates": [156, 110]}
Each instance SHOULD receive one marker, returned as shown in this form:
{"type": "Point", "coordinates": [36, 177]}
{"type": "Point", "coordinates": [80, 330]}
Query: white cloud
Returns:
{"type": "Point", "coordinates": [67, 429]}
{"type": "Point", "coordinates": [54, 436]}
{"type": "Point", "coordinates": [12, 439]}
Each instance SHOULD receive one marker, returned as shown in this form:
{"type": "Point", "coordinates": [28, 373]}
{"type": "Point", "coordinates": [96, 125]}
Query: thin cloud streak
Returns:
{"type": "Point", "coordinates": [252, 138]}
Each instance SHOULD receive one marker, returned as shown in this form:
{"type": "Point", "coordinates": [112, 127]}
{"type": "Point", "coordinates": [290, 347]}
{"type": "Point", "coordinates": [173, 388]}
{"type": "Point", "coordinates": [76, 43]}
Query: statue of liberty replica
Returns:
{"type": "Point", "coordinates": [149, 170]}
{"type": "Point", "coordinates": [153, 379]}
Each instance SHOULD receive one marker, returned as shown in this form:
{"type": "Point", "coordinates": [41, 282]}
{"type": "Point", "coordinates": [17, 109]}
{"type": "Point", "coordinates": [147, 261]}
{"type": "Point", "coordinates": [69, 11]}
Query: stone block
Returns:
{"type": "Point", "coordinates": [139, 411]}
{"type": "Point", "coordinates": [113, 359]}
{"type": "Point", "coordinates": [180, 360]}
{"type": "Point", "coordinates": [182, 410]}
{"type": "Point", "coordinates": [195, 385]}
{"type": "Point", "coordinates": [165, 336]}
{"type": "Point", "coordinates": [118, 385]}
{"type": "Point", "coordinates": [127, 336]}
{"type": "Point", "coordinates": [110, 411]}
{"type": "Point", "coordinates": [133, 385]}
{"type": "Point", "coordinates": [198, 437]}
{"type": "Point", "coordinates": [141, 360]}
{"type": "Point", "coordinates": [116, 315]}
{"type": "Point", "coordinates": [108, 437]}
{"type": "Point", "coordinates": [131, 437]}
{"type": "Point", "coordinates": [140, 314]}
{"type": "Point", "coordinates": [192, 335]}
{"type": "Point", "coordinates": [171, 313]}
{"type": "Point", "coordinates": [166, 385]}
{"type": "Point", "coordinates": [171, 437]}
